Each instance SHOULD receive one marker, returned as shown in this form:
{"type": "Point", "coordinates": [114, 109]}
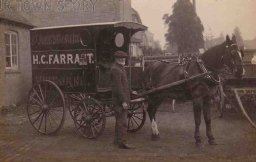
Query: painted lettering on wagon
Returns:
{"type": "Point", "coordinates": [55, 39]}
{"type": "Point", "coordinates": [63, 59]}
{"type": "Point", "coordinates": [68, 81]}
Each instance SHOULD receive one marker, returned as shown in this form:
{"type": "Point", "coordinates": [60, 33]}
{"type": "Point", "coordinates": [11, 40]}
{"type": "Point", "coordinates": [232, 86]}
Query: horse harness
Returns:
{"type": "Point", "coordinates": [185, 63]}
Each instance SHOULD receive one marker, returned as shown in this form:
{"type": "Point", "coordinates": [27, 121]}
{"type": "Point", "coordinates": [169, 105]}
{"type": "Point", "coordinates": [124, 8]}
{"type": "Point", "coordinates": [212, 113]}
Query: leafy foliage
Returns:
{"type": "Point", "coordinates": [184, 27]}
{"type": "Point", "coordinates": [239, 38]}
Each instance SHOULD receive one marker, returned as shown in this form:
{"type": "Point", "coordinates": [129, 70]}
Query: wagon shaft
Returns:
{"type": "Point", "coordinates": [167, 86]}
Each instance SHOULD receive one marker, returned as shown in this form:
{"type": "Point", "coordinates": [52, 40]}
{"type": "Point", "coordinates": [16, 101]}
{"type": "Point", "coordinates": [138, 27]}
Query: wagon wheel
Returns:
{"type": "Point", "coordinates": [136, 117]}
{"type": "Point", "coordinates": [73, 101]}
{"type": "Point", "coordinates": [89, 118]}
{"type": "Point", "coordinates": [46, 107]}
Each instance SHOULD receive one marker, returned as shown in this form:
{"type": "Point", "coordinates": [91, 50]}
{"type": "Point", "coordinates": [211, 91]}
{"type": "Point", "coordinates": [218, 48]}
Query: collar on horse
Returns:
{"type": "Point", "coordinates": [213, 76]}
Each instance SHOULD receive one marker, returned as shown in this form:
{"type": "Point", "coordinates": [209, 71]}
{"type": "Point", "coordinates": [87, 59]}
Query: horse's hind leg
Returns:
{"type": "Point", "coordinates": [197, 106]}
{"type": "Point", "coordinates": [152, 107]}
{"type": "Point", "coordinates": [207, 119]}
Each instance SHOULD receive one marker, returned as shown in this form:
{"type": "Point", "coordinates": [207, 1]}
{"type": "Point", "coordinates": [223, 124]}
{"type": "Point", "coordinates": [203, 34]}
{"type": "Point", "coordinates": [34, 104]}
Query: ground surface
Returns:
{"type": "Point", "coordinates": [236, 138]}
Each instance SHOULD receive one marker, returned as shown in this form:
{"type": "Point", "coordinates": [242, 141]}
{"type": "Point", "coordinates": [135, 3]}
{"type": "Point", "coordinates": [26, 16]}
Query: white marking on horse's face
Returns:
{"type": "Point", "coordinates": [240, 55]}
{"type": "Point", "coordinates": [243, 71]}
{"type": "Point", "coordinates": [154, 127]}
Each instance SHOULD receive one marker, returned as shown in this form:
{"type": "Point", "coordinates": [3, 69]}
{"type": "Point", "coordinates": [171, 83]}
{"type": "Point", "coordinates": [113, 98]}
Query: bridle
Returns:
{"type": "Point", "coordinates": [222, 61]}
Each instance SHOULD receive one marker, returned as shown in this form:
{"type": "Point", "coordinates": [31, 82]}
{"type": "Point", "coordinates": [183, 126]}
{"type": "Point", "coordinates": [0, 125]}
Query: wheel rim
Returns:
{"type": "Point", "coordinates": [46, 107]}
{"type": "Point", "coordinates": [89, 118]}
{"type": "Point", "coordinates": [136, 117]}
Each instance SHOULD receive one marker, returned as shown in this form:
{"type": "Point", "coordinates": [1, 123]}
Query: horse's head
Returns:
{"type": "Point", "coordinates": [233, 57]}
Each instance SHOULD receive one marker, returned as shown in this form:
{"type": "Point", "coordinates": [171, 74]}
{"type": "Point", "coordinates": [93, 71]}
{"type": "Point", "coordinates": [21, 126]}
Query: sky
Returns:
{"type": "Point", "coordinates": [216, 15]}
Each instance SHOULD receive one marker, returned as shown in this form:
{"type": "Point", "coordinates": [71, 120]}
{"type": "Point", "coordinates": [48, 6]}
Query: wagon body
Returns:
{"type": "Point", "coordinates": [71, 70]}
{"type": "Point", "coordinates": [73, 57]}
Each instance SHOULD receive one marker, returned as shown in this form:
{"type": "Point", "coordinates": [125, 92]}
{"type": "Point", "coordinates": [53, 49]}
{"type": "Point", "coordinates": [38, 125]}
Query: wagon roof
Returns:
{"type": "Point", "coordinates": [125, 24]}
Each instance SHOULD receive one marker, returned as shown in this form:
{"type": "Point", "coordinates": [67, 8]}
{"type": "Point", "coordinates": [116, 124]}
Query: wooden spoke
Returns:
{"type": "Point", "coordinates": [37, 118]}
{"type": "Point", "coordinates": [135, 121]}
{"type": "Point", "coordinates": [36, 93]}
{"type": "Point", "coordinates": [136, 117]}
{"type": "Point", "coordinates": [41, 122]}
{"type": "Point", "coordinates": [30, 114]}
{"type": "Point", "coordinates": [40, 90]}
{"type": "Point", "coordinates": [38, 102]}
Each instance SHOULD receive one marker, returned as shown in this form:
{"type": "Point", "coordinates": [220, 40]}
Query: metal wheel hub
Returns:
{"type": "Point", "coordinates": [88, 118]}
{"type": "Point", "coordinates": [45, 108]}
{"type": "Point", "coordinates": [130, 114]}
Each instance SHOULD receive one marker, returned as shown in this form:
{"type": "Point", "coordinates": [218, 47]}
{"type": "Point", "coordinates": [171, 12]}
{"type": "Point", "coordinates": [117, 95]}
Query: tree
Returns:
{"type": "Point", "coordinates": [239, 38]}
{"type": "Point", "coordinates": [184, 27]}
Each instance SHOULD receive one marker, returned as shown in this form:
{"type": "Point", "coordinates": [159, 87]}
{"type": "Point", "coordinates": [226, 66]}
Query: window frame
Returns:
{"type": "Point", "coordinates": [13, 66]}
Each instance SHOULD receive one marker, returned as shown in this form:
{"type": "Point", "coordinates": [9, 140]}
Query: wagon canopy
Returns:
{"type": "Point", "coordinates": [133, 26]}
{"type": "Point", "coordinates": [91, 35]}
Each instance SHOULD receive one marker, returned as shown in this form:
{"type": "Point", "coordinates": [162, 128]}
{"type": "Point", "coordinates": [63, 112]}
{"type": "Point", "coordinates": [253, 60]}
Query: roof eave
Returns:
{"type": "Point", "coordinates": [30, 26]}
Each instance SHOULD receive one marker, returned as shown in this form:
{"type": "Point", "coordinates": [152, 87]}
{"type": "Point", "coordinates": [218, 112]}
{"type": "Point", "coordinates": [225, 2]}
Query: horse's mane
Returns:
{"type": "Point", "coordinates": [214, 49]}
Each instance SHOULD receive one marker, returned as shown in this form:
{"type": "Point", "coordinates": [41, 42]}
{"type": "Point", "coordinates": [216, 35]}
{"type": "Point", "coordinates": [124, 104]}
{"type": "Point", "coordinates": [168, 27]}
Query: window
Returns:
{"type": "Point", "coordinates": [133, 49]}
{"type": "Point", "coordinates": [11, 50]}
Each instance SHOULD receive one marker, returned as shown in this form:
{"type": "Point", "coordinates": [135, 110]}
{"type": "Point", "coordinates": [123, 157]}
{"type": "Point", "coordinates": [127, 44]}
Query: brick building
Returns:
{"type": "Point", "coordinates": [15, 59]}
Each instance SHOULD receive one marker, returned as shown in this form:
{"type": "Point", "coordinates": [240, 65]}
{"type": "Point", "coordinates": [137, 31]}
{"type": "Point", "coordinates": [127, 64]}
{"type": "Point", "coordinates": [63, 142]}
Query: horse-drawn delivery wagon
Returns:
{"type": "Point", "coordinates": [70, 69]}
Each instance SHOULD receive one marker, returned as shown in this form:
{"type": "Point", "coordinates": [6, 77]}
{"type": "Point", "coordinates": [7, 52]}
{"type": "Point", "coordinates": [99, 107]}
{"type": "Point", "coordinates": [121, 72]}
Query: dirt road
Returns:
{"type": "Point", "coordinates": [236, 140]}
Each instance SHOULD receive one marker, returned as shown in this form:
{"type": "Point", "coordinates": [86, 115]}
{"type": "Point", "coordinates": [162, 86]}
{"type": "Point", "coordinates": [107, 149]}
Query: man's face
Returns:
{"type": "Point", "coordinates": [120, 61]}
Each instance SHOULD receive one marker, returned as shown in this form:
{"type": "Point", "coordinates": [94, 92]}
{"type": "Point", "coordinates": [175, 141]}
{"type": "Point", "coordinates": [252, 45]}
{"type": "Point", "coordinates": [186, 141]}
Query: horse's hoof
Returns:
{"type": "Point", "coordinates": [155, 137]}
{"type": "Point", "coordinates": [212, 142]}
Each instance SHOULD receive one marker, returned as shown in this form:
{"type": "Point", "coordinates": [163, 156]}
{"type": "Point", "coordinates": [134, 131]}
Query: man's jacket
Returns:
{"type": "Point", "coordinates": [120, 87]}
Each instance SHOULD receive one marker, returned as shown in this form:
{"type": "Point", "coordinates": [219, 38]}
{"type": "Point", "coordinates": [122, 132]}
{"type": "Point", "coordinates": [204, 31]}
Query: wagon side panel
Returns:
{"type": "Point", "coordinates": [59, 56]}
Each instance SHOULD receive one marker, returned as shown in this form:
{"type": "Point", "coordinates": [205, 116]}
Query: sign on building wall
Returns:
{"type": "Point", "coordinates": [44, 13]}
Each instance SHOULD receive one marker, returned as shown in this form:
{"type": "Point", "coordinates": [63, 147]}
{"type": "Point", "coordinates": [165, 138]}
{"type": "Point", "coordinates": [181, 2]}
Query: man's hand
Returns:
{"type": "Point", "coordinates": [125, 106]}
{"type": "Point", "coordinates": [134, 92]}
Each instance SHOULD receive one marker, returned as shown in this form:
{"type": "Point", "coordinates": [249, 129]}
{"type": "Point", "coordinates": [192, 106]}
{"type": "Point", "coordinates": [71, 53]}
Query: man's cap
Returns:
{"type": "Point", "coordinates": [121, 54]}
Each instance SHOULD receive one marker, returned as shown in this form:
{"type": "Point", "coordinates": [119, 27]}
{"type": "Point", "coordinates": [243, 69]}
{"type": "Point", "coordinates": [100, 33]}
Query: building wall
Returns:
{"type": "Point", "coordinates": [125, 10]}
{"type": "Point", "coordinates": [14, 85]}
{"type": "Point", "coordinates": [2, 65]}
{"type": "Point", "coordinates": [96, 11]}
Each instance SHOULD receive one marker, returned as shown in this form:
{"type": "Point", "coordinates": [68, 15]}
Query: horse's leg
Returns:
{"type": "Point", "coordinates": [173, 105]}
{"type": "Point", "coordinates": [197, 107]}
{"type": "Point", "coordinates": [152, 107]}
{"type": "Point", "coordinates": [207, 118]}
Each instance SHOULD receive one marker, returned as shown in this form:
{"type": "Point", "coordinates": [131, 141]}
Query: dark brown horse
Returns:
{"type": "Point", "coordinates": [199, 90]}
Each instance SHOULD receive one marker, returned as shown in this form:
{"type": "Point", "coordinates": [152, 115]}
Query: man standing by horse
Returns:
{"type": "Point", "coordinates": [121, 98]}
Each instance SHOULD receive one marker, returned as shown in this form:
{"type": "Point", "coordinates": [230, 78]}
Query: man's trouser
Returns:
{"type": "Point", "coordinates": [121, 125]}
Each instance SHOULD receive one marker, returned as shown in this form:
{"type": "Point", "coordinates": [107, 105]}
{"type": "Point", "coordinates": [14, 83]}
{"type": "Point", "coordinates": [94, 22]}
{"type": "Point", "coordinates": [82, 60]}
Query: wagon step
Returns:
{"type": "Point", "coordinates": [103, 90]}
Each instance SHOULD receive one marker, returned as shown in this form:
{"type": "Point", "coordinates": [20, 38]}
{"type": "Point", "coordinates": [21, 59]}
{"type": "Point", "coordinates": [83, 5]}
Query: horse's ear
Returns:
{"type": "Point", "coordinates": [242, 52]}
{"type": "Point", "coordinates": [234, 39]}
{"type": "Point", "coordinates": [227, 38]}
{"type": "Point", "coordinates": [228, 41]}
